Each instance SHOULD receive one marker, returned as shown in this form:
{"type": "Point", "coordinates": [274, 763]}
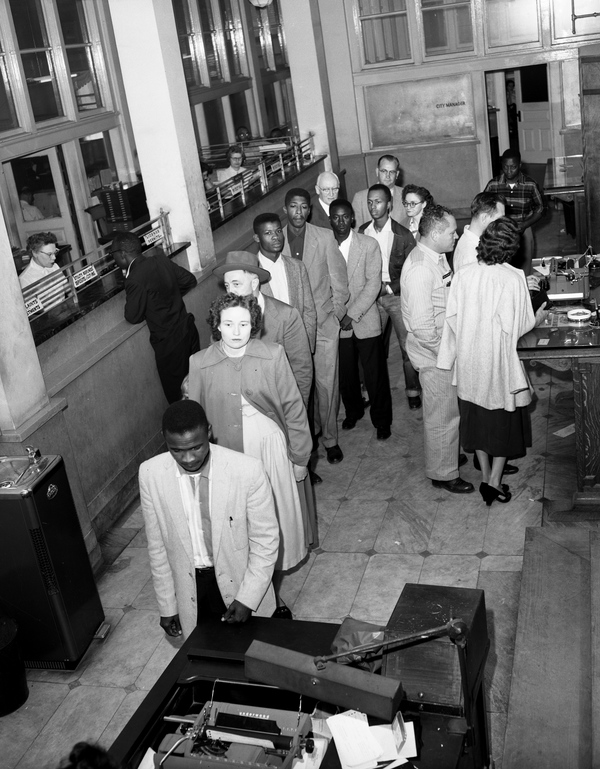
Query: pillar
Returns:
{"type": "Point", "coordinates": [159, 108]}
{"type": "Point", "coordinates": [306, 53]}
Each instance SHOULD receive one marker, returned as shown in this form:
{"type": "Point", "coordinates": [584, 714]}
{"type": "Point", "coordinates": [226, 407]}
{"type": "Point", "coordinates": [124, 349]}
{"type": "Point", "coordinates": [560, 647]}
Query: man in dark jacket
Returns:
{"type": "Point", "coordinates": [154, 286]}
{"type": "Point", "coordinates": [395, 243]}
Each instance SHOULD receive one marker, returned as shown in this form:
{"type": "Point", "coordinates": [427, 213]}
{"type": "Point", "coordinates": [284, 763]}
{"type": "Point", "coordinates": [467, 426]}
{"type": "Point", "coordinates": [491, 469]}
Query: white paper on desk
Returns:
{"type": "Point", "coordinates": [385, 737]}
{"type": "Point", "coordinates": [356, 746]}
{"type": "Point", "coordinates": [148, 761]}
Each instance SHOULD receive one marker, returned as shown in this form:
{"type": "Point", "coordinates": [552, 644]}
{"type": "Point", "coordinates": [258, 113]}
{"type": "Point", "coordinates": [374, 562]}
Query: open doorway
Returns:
{"type": "Point", "coordinates": [519, 116]}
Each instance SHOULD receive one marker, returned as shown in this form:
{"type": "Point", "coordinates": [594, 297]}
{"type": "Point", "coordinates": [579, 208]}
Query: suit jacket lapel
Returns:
{"type": "Point", "coordinates": [293, 288]}
{"type": "Point", "coordinates": [219, 498]}
{"type": "Point", "coordinates": [353, 256]}
{"type": "Point", "coordinates": [177, 513]}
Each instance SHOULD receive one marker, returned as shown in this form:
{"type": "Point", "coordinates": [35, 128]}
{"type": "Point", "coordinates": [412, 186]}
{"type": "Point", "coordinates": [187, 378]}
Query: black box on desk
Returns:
{"type": "Point", "coordinates": [430, 669]}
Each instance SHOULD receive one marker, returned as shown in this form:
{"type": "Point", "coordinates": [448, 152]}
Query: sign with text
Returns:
{"type": "Point", "coordinates": [420, 111]}
{"type": "Point", "coordinates": [277, 166]}
{"type": "Point", "coordinates": [152, 236]}
{"type": "Point", "coordinates": [84, 276]}
{"type": "Point", "coordinates": [33, 306]}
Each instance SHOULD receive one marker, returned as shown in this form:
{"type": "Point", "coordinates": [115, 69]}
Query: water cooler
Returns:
{"type": "Point", "coordinates": [46, 579]}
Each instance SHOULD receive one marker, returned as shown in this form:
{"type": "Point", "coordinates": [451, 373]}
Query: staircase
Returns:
{"type": "Point", "coordinates": [554, 706]}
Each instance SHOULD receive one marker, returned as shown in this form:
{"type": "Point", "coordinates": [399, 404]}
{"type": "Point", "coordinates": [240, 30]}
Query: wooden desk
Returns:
{"type": "Point", "coordinates": [578, 348]}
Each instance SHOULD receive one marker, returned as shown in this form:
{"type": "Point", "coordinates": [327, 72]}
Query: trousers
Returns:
{"type": "Point", "coordinates": [389, 305]}
{"type": "Point", "coordinates": [375, 372]}
{"type": "Point", "coordinates": [441, 421]}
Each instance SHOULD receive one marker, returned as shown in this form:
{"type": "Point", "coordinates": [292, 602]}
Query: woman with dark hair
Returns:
{"type": "Point", "coordinates": [415, 200]}
{"type": "Point", "coordinates": [488, 309]}
{"type": "Point", "coordinates": [252, 401]}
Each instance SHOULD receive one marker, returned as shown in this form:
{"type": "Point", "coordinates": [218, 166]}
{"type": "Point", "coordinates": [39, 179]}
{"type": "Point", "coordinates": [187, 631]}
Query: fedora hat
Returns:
{"type": "Point", "coordinates": [242, 260]}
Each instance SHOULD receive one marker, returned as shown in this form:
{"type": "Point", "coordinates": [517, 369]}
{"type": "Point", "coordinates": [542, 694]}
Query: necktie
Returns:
{"type": "Point", "coordinates": [200, 482]}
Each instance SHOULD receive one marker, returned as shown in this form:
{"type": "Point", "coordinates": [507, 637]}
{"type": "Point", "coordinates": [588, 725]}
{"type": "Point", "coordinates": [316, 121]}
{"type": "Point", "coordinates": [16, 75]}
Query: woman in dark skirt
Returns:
{"type": "Point", "coordinates": [488, 309]}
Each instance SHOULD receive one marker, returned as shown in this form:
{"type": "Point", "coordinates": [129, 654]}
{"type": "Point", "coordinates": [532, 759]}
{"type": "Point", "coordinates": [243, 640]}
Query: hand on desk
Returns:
{"type": "Point", "coordinates": [236, 612]}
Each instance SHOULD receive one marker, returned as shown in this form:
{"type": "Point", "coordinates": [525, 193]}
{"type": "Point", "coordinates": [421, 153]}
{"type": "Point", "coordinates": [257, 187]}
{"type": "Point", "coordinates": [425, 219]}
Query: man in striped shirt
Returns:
{"type": "Point", "coordinates": [523, 203]}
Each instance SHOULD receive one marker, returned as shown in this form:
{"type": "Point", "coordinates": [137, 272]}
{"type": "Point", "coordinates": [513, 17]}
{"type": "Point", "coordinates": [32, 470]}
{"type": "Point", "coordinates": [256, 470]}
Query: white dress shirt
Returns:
{"type": "Point", "coordinates": [279, 282]}
{"type": "Point", "coordinates": [191, 507]}
{"type": "Point", "coordinates": [385, 238]}
{"type": "Point", "coordinates": [344, 246]}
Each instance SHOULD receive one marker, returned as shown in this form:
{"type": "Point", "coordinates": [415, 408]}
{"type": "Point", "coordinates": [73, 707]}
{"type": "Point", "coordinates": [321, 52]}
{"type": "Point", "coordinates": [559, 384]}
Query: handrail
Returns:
{"type": "Point", "coordinates": [287, 160]}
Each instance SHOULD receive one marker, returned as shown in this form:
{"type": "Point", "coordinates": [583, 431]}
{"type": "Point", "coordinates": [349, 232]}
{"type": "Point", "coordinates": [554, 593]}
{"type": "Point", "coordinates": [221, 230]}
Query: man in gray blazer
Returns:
{"type": "Point", "coordinates": [281, 322]}
{"type": "Point", "coordinates": [360, 337]}
{"type": "Point", "coordinates": [289, 280]}
{"type": "Point", "coordinates": [387, 171]}
{"type": "Point", "coordinates": [317, 249]}
{"type": "Point", "coordinates": [210, 521]}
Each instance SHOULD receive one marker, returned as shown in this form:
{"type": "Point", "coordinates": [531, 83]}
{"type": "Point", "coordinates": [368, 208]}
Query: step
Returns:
{"type": "Point", "coordinates": [549, 721]}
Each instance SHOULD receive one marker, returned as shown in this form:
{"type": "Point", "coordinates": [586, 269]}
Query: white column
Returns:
{"type": "Point", "coordinates": [304, 41]}
{"type": "Point", "coordinates": [157, 98]}
{"type": "Point", "coordinates": [22, 388]}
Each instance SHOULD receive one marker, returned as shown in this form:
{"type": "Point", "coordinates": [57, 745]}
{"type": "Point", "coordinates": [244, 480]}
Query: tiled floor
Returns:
{"type": "Point", "coordinates": [381, 524]}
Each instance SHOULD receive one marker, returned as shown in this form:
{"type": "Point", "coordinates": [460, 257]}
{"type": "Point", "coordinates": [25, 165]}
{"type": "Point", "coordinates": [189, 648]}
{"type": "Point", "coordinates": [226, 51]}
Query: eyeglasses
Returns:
{"type": "Point", "coordinates": [406, 204]}
{"type": "Point", "coordinates": [329, 190]}
{"type": "Point", "coordinates": [52, 253]}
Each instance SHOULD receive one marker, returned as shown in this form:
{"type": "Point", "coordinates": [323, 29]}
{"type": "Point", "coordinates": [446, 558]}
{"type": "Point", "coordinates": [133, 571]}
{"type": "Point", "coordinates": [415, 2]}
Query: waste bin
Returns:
{"type": "Point", "coordinates": [13, 683]}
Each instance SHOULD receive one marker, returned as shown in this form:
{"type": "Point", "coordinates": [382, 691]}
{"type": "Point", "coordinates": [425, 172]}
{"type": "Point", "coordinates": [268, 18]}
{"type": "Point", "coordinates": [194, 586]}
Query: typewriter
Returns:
{"type": "Point", "coordinates": [236, 735]}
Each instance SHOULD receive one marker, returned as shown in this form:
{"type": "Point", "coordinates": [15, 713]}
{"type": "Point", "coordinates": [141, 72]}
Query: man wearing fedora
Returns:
{"type": "Point", "coordinates": [281, 322]}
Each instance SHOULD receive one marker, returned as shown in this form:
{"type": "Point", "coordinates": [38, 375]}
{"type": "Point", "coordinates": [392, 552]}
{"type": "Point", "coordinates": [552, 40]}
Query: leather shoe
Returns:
{"type": "Point", "coordinates": [282, 612]}
{"type": "Point", "coordinates": [456, 486]}
{"type": "Point", "coordinates": [334, 454]}
{"type": "Point", "coordinates": [314, 477]}
{"type": "Point", "coordinates": [414, 402]}
{"type": "Point", "coordinates": [383, 433]}
{"type": "Point", "coordinates": [349, 422]}
{"type": "Point", "coordinates": [462, 459]}
{"type": "Point", "coordinates": [508, 469]}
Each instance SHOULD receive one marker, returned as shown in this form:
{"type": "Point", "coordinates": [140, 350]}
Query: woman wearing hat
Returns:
{"type": "Point", "coordinates": [249, 393]}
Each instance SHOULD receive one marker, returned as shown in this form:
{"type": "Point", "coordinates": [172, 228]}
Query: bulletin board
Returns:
{"type": "Point", "coordinates": [420, 111]}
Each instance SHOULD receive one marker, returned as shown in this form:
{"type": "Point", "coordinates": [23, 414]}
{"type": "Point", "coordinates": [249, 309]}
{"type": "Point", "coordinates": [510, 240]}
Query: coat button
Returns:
{"type": "Point", "coordinates": [193, 600]}
{"type": "Point", "coordinates": [249, 392]}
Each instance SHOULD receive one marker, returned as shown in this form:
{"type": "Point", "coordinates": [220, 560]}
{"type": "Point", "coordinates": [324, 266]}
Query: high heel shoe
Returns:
{"type": "Point", "coordinates": [490, 493]}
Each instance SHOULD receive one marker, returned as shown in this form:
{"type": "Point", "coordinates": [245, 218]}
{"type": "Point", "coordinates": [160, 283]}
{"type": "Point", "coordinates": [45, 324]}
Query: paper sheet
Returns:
{"type": "Point", "coordinates": [148, 761]}
{"type": "Point", "coordinates": [356, 746]}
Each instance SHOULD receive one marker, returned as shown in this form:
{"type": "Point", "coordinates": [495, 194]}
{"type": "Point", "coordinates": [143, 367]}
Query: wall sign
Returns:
{"type": "Point", "coordinates": [420, 111]}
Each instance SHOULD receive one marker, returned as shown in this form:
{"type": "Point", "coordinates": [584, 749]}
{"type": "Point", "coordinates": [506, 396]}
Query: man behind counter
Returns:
{"type": "Point", "coordinates": [210, 521]}
{"type": "Point", "coordinates": [154, 286]}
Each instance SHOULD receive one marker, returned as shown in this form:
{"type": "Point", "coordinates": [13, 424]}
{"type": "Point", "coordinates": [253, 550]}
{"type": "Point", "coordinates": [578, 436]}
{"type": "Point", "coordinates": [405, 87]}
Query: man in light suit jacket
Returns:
{"type": "Point", "coordinates": [387, 171]}
{"type": "Point", "coordinates": [360, 337]}
{"type": "Point", "coordinates": [327, 190]}
{"type": "Point", "coordinates": [281, 322]}
{"type": "Point", "coordinates": [289, 280]}
{"type": "Point", "coordinates": [317, 249]}
{"type": "Point", "coordinates": [210, 521]}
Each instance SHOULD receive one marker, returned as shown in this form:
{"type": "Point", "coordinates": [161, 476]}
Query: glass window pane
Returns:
{"type": "Point", "coordinates": [42, 86]}
{"type": "Point", "coordinates": [271, 107]}
{"type": "Point", "coordinates": [72, 21]}
{"type": "Point", "coordinates": [37, 191]}
{"type": "Point", "coordinates": [81, 65]}
{"type": "Point", "coordinates": [233, 36]}
{"type": "Point", "coordinates": [215, 122]}
{"type": "Point", "coordinates": [276, 30]}
{"type": "Point", "coordinates": [563, 22]}
{"type": "Point", "coordinates": [29, 24]}
{"type": "Point", "coordinates": [368, 7]}
{"type": "Point", "coordinates": [239, 110]}
{"type": "Point", "coordinates": [208, 33]}
{"type": "Point", "coordinates": [8, 115]}
{"type": "Point", "coordinates": [184, 31]}
{"type": "Point", "coordinates": [386, 39]}
{"type": "Point", "coordinates": [510, 23]}
{"type": "Point", "coordinates": [447, 29]}
{"type": "Point", "coordinates": [98, 160]}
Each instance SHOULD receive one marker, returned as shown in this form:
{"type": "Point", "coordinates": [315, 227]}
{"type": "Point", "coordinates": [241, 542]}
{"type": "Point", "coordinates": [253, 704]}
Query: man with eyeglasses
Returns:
{"type": "Point", "coordinates": [328, 189]}
{"type": "Point", "coordinates": [154, 286]}
{"type": "Point", "coordinates": [43, 249]}
{"type": "Point", "coordinates": [387, 171]}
